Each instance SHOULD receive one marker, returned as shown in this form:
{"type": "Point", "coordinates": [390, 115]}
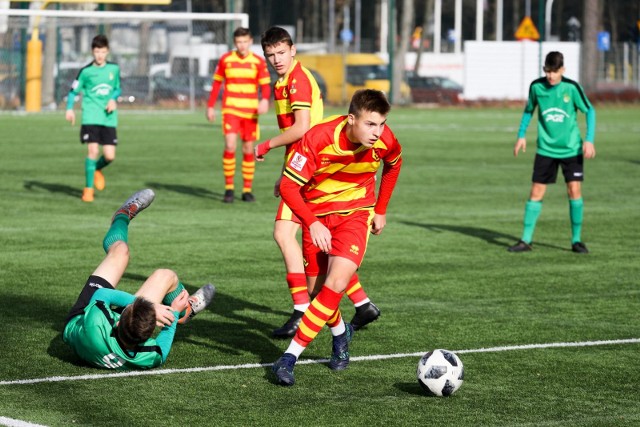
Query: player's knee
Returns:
{"type": "Point", "coordinates": [119, 249]}
{"type": "Point", "coordinates": [166, 276]}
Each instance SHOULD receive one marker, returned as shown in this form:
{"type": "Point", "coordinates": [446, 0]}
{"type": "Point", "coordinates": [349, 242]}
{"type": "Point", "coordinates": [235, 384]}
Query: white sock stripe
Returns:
{"type": "Point", "coordinates": [308, 361]}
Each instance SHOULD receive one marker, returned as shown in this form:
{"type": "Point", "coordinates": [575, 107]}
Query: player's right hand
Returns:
{"type": "Point", "coordinates": [276, 187]}
{"type": "Point", "coordinates": [70, 116]}
{"type": "Point", "coordinates": [211, 114]}
{"type": "Point", "coordinates": [521, 143]}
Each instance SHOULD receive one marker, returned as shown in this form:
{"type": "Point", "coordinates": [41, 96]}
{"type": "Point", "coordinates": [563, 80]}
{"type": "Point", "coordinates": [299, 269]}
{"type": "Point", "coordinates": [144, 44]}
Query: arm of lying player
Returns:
{"type": "Point", "coordinates": [113, 297]}
{"type": "Point", "coordinates": [290, 193]}
{"type": "Point", "coordinates": [165, 338]}
{"type": "Point", "coordinates": [168, 332]}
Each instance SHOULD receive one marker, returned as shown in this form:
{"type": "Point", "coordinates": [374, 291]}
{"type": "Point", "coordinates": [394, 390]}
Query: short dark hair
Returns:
{"type": "Point", "coordinates": [241, 32]}
{"type": "Point", "coordinates": [369, 100]}
{"type": "Point", "coordinates": [137, 322]}
{"type": "Point", "coordinates": [100, 41]}
{"type": "Point", "coordinates": [554, 61]}
{"type": "Point", "coordinates": [274, 36]}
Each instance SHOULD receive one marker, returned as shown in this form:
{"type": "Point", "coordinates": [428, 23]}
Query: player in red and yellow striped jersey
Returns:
{"type": "Point", "coordinates": [243, 73]}
{"type": "Point", "coordinates": [329, 183]}
{"type": "Point", "coordinates": [299, 106]}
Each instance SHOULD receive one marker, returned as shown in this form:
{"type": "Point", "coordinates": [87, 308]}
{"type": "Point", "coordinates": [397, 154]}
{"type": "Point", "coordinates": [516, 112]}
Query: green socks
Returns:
{"type": "Point", "coordinates": [575, 213]}
{"type": "Point", "coordinates": [89, 171]}
{"type": "Point", "coordinates": [168, 299]}
{"type": "Point", "coordinates": [531, 213]}
{"type": "Point", "coordinates": [119, 230]}
{"type": "Point", "coordinates": [101, 163]}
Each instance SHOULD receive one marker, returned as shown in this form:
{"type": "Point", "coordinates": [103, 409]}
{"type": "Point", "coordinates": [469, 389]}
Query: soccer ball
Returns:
{"type": "Point", "coordinates": [440, 372]}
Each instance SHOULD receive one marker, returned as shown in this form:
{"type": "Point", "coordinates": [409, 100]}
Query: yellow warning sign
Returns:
{"type": "Point", "coordinates": [527, 30]}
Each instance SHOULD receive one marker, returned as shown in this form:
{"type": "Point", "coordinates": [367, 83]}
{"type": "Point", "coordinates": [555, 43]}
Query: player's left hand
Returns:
{"type": "Point", "coordinates": [111, 106]}
{"type": "Point", "coordinates": [181, 302]}
{"type": "Point", "coordinates": [164, 315]}
{"type": "Point", "coordinates": [320, 236]}
{"type": "Point", "coordinates": [379, 221]}
{"type": "Point", "coordinates": [588, 150]}
{"type": "Point", "coordinates": [263, 106]}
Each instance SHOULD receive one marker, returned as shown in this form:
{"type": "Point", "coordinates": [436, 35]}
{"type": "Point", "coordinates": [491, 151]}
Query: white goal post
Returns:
{"type": "Point", "coordinates": [166, 58]}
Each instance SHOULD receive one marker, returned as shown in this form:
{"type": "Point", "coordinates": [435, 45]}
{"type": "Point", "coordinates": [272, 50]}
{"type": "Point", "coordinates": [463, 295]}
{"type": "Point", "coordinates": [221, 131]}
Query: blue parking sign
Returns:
{"type": "Point", "coordinates": [604, 41]}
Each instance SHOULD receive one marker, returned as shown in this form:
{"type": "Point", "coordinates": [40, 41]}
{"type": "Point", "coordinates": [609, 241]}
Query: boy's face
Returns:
{"type": "Point", "coordinates": [280, 56]}
{"type": "Point", "coordinates": [243, 44]}
{"type": "Point", "coordinates": [366, 128]}
{"type": "Point", "coordinates": [100, 55]}
{"type": "Point", "coordinates": [554, 76]}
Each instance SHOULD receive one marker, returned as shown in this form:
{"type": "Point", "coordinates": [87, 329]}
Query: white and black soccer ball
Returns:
{"type": "Point", "coordinates": [440, 372]}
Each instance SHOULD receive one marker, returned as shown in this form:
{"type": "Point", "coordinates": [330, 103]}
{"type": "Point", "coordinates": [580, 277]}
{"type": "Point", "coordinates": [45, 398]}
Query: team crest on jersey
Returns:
{"type": "Point", "coordinates": [293, 86]}
{"type": "Point", "coordinates": [297, 161]}
{"type": "Point", "coordinates": [566, 98]}
{"type": "Point", "coordinates": [110, 76]}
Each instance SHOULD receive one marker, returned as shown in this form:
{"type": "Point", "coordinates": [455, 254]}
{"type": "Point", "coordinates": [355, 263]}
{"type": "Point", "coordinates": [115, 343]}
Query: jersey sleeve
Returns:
{"type": "Point", "coordinates": [113, 297]}
{"type": "Point", "coordinates": [166, 336]}
{"type": "Point", "coordinates": [117, 90]}
{"type": "Point", "coordinates": [300, 92]}
{"type": "Point", "coordinates": [532, 100]}
{"type": "Point", "coordinates": [218, 75]}
{"type": "Point", "coordinates": [301, 163]}
{"type": "Point", "coordinates": [76, 87]}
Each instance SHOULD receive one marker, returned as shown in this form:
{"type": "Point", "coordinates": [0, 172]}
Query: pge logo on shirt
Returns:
{"type": "Point", "coordinates": [298, 161]}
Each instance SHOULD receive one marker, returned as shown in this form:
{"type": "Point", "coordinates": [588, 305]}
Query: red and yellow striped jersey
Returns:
{"type": "Point", "coordinates": [242, 76]}
{"type": "Point", "coordinates": [297, 90]}
{"type": "Point", "coordinates": [337, 175]}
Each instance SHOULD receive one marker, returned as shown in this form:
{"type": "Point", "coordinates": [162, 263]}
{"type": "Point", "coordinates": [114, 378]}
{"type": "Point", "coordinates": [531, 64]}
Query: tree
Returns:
{"type": "Point", "coordinates": [590, 61]}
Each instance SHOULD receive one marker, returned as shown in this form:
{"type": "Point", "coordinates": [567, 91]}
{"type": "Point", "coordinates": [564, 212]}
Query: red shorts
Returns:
{"type": "Point", "coordinates": [286, 214]}
{"type": "Point", "coordinates": [349, 237]}
{"type": "Point", "coordinates": [247, 128]}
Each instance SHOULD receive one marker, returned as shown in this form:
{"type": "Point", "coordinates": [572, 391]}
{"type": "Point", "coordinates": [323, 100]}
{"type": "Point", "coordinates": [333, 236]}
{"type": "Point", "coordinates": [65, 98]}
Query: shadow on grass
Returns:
{"type": "Point", "coordinates": [490, 236]}
{"type": "Point", "coordinates": [54, 188]}
{"type": "Point", "coordinates": [186, 189]}
{"type": "Point", "coordinates": [411, 388]}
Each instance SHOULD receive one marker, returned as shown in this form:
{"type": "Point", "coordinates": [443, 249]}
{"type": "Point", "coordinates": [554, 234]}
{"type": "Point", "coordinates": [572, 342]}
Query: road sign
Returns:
{"type": "Point", "coordinates": [604, 41]}
{"type": "Point", "coordinates": [527, 30]}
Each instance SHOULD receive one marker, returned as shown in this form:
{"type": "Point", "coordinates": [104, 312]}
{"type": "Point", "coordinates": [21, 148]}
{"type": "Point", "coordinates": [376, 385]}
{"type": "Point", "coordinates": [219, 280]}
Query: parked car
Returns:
{"type": "Point", "coordinates": [440, 90]}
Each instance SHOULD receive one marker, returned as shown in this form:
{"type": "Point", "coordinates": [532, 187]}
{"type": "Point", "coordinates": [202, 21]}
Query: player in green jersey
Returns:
{"type": "Point", "coordinates": [99, 84]}
{"type": "Point", "coordinates": [559, 145]}
{"type": "Point", "coordinates": [113, 329]}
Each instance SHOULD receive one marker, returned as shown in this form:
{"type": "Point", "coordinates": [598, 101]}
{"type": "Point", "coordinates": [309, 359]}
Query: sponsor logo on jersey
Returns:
{"type": "Point", "coordinates": [102, 89]}
{"type": "Point", "coordinates": [285, 94]}
{"type": "Point", "coordinates": [95, 285]}
{"type": "Point", "coordinates": [555, 115]}
{"type": "Point", "coordinates": [85, 137]}
{"type": "Point", "coordinates": [577, 174]}
{"type": "Point", "coordinates": [354, 249]}
{"type": "Point", "coordinates": [375, 155]}
{"type": "Point", "coordinates": [298, 161]}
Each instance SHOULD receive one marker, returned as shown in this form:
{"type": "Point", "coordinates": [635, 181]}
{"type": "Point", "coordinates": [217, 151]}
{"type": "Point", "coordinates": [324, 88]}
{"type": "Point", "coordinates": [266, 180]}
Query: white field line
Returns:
{"type": "Point", "coordinates": [10, 422]}
{"type": "Point", "coordinates": [308, 361]}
